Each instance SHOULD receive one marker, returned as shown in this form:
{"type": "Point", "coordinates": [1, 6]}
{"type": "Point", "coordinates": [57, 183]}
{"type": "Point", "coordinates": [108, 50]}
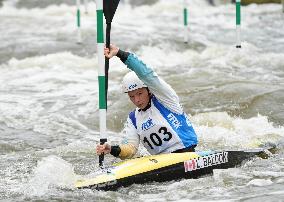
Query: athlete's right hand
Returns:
{"type": "Point", "coordinates": [105, 148]}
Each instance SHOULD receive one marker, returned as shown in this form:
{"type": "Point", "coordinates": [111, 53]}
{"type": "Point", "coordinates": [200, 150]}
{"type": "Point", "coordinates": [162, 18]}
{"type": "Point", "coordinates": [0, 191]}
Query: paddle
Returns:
{"type": "Point", "coordinates": [109, 8]}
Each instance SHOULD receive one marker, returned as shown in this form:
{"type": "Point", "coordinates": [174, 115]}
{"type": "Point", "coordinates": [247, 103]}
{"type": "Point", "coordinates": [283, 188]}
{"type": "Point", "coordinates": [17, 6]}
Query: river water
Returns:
{"type": "Point", "coordinates": [49, 95]}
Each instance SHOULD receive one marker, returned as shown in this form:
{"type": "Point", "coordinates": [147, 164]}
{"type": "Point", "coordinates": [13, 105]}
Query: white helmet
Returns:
{"type": "Point", "coordinates": [131, 82]}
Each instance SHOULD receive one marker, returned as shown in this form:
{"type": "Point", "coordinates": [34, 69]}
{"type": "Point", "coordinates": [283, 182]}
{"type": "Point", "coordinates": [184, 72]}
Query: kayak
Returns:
{"type": "Point", "coordinates": [167, 167]}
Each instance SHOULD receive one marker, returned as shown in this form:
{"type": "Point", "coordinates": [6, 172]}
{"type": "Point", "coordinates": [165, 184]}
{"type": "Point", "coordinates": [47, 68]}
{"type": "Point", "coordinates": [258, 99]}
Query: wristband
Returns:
{"type": "Point", "coordinates": [115, 150]}
{"type": "Point", "coordinates": [123, 55]}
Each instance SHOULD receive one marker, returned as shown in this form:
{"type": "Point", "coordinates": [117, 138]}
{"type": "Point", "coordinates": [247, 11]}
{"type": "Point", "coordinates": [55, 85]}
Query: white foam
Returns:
{"type": "Point", "coordinates": [259, 182]}
{"type": "Point", "coordinates": [41, 85]}
{"type": "Point", "coordinates": [51, 172]}
{"type": "Point", "coordinates": [218, 129]}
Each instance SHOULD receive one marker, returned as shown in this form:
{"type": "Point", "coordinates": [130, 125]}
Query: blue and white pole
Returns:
{"type": "Point", "coordinates": [185, 22]}
{"type": "Point", "coordinates": [101, 73]}
{"type": "Point", "coordinates": [238, 23]}
{"type": "Point", "coordinates": [79, 35]}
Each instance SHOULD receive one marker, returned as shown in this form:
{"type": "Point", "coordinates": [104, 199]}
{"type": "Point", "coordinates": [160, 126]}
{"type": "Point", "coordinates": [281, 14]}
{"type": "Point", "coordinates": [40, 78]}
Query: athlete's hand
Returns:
{"type": "Point", "coordinates": [111, 51]}
{"type": "Point", "coordinates": [105, 148]}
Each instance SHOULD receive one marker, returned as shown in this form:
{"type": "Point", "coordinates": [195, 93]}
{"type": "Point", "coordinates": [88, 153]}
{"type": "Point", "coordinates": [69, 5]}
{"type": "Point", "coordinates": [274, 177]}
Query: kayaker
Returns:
{"type": "Point", "coordinates": [158, 121]}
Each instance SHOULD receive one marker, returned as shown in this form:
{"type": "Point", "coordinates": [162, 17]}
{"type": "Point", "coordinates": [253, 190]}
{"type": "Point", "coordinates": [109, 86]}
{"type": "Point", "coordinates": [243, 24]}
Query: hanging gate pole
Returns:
{"type": "Point", "coordinates": [238, 23]}
{"type": "Point", "coordinates": [185, 23]}
{"type": "Point", "coordinates": [101, 75]}
{"type": "Point", "coordinates": [79, 35]}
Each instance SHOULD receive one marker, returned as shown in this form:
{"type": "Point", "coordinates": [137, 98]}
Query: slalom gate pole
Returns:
{"type": "Point", "coordinates": [185, 22]}
{"type": "Point", "coordinates": [238, 23]}
{"type": "Point", "coordinates": [101, 76]}
{"type": "Point", "coordinates": [79, 35]}
{"type": "Point", "coordinates": [282, 1]}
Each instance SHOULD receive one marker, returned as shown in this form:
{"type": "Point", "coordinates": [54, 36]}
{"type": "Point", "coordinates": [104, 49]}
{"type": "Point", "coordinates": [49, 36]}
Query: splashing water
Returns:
{"type": "Point", "coordinates": [51, 172]}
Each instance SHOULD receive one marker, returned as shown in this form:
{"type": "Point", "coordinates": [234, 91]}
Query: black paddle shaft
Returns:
{"type": "Point", "coordinates": [109, 8]}
{"type": "Point", "coordinates": [108, 28]}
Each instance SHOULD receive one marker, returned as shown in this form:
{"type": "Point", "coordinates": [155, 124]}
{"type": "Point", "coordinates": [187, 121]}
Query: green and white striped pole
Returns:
{"type": "Point", "coordinates": [238, 23]}
{"type": "Point", "coordinates": [185, 23]}
{"type": "Point", "coordinates": [86, 6]}
{"type": "Point", "coordinates": [79, 35]}
{"type": "Point", "coordinates": [101, 75]}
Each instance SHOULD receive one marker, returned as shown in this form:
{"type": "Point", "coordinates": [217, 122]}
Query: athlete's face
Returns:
{"type": "Point", "coordinates": [140, 97]}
